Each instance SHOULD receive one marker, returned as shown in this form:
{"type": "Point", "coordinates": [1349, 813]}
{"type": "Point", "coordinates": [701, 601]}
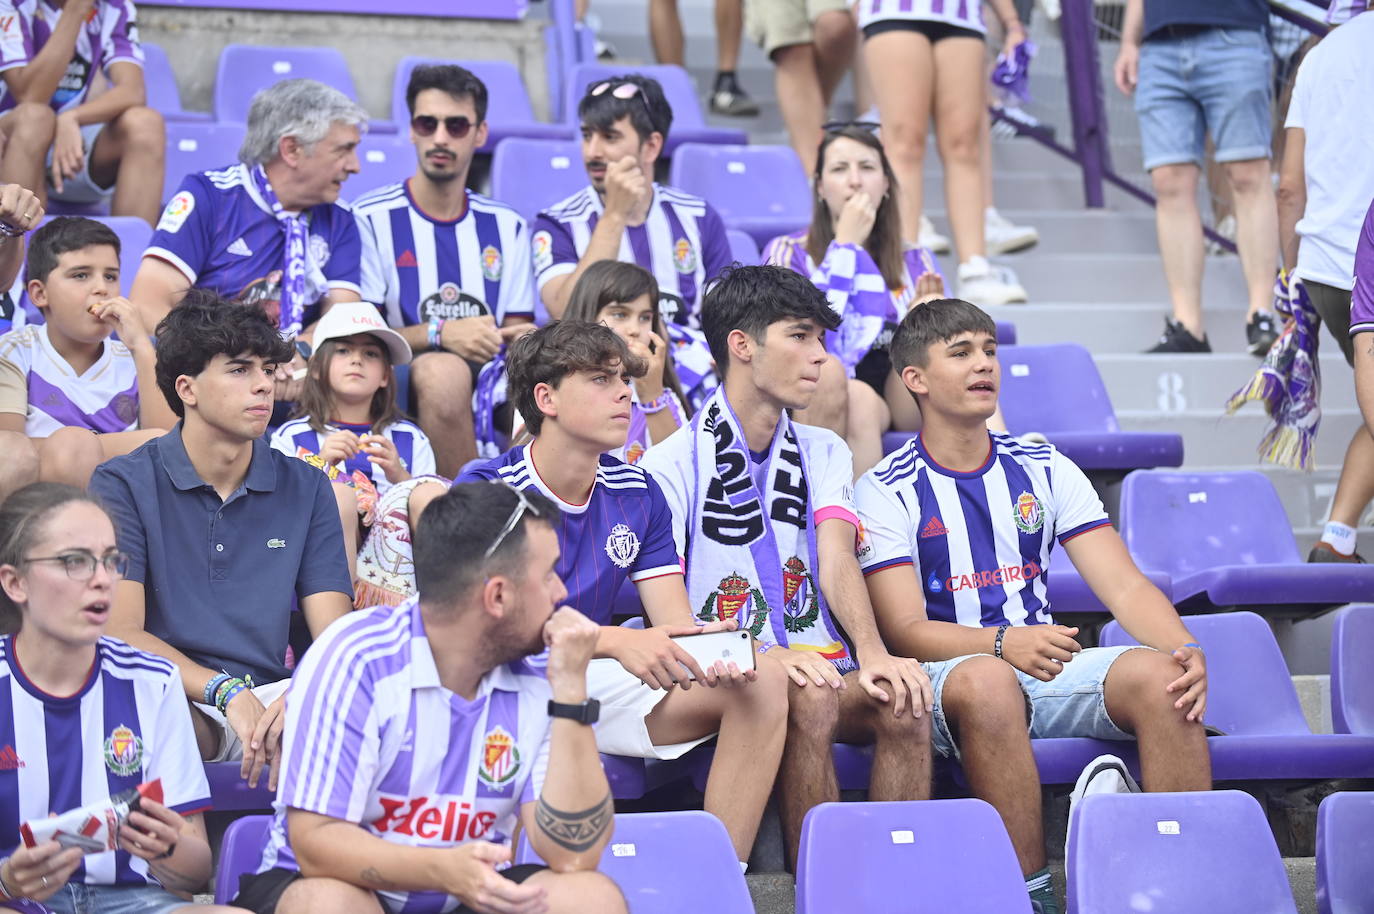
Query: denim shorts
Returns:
{"type": "Point", "coordinates": [1073, 703]}
{"type": "Point", "coordinates": [79, 898]}
{"type": "Point", "coordinates": [1214, 81]}
{"type": "Point", "coordinates": [940, 736]}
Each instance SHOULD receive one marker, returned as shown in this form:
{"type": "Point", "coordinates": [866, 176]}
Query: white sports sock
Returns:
{"type": "Point", "coordinates": [1340, 537]}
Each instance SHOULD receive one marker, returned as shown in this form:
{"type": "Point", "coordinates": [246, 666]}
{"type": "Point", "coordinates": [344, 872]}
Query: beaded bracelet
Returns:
{"type": "Point", "coordinates": [213, 685]}
{"type": "Point", "coordinates": [237, 687]}
{"type": "Point", "coordinates": [664, 401]}
{"type": "Point", "coordinates": [997, 645]}
{"type": "Point", "coordinates": [435, 334]}
{"type": "Point", "coordinates": [223, 690]}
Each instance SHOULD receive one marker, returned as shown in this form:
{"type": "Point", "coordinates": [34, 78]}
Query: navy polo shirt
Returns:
{"type": "Point", "coordinates": [219, 576]}
{"type": "Point", "coordinates": [1235, 14]}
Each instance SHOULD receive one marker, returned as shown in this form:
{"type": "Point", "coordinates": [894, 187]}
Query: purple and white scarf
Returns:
{"type": "Point", "coordinates": [293, 291]}
{"type": "Point", "coordinates": [1012, 75]}
{"type": "Point", "coordinates": [751, 549]}
{"type": "Point", "coordinates": [1289, 381]}
{"type": "Point", "coordinates": [489, 393]}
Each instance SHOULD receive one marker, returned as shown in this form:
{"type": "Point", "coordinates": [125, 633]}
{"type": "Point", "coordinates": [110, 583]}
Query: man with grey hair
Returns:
{"type": "Point", "coordinates": [268, 230]}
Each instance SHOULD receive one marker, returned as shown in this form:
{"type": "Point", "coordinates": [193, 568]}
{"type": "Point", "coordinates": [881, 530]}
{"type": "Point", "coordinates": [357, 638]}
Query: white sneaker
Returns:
{"type": "Point", "coordinates": [930, 239]}
{"type": "Point", "coordinates": [1226, 228]}
{"type": "Point", "coordinates": [1104, 774]}
{"type": "Point", "coordinates": [1002, 237]}
{"type": "Point", "coordinates": [986, 284]}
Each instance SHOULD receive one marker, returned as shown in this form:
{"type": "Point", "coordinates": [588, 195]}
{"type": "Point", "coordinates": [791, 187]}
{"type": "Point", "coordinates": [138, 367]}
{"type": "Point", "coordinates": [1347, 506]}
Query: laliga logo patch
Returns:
{"type": "Point", "coordinates": [684, 258]}
{"type": "Point", "coordinates": [543, 250]}
{"type": "Point", "coordinates": [123, 751]}
{"type": "Point", "coordinates": [1029, 516]}
{"type": "Point", "coordinates": [178, 208]}
{"type": "Point", "coordinates": [500, 757]}
{"type": "Point", "coordinates": [491, 263]}
{"type": "Point", "coordinates": [622, 546]}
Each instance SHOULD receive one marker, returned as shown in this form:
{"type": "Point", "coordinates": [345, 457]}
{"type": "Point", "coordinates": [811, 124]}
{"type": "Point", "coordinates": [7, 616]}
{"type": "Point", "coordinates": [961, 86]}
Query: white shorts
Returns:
{"type": "Point", "coordinates": [625, 702]}
{"type": "Point", "coordinates": [81, 188]}
{"type": "Point", "coordinates": [230, 747]}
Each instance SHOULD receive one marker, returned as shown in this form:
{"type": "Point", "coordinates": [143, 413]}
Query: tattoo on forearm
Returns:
{"type": "Point", "coordinates": [375, 880]}
{"type": "Point", "coordinates": [575, 831]}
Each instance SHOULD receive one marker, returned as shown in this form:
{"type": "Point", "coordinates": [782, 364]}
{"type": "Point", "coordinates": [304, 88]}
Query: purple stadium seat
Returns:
{"type": "Point", "coordinates": [530, 175]}
{"type": "Point", "coordinates": [509, 112]}
{"type": "Point", "coordinates": [1069, 593]}
{"type": "Point", "coordinates": [646, 860]}
{"type": "Point", "coordinates": [382, 159]}
{"type": "Point", "coordinates": [240, 853]}
{"type": "Point", "coordinates": [229, 792]}
{"type": "Point", "coordinates": [689, 124]}
{"type": "Point", "coordinates": [1057, 391]}
{"type": "Point", "coordinates": [761, 190]}
{"type": "Point", "coordinates": [244, 70]}
{"type": "Point", "coordinates": [1174, 852]}
{"type": "Point", "coordinates": [161, 83]}
{"type": "Point", "coordinates": [936, 855]}
{"type": "Point", "coordinates": [1345, 845]}
{"type": "Point", "coordinates": [198, 146]}
{"type": "Point", "coordinates": [1225, 540]}
{"type": "Point", "coordinates": [1251, 700]}
{"type": "Point", "coordinates": [626, 776]}
{"type": "Point", "coordinates": [742, 247]}
{"type": "Point", "coordinates": [1352, 675]}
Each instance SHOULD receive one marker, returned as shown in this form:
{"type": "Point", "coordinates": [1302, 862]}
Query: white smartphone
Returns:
{"type": "Point", "coordinates": [727, 647]}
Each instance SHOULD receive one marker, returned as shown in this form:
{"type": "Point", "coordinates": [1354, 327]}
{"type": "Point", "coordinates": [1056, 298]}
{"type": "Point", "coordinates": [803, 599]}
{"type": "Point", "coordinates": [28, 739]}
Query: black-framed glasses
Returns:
{"type": "Point", "coordinates": [456, 126]}
{"type": "Point", "coordinates": [521, 507]}
{"type": "Point", "coordinates": [80, 564]}
{"type": "Point", "coordinates": [870, 126]}
{"type": "Point", "coordinates": [623, 90]}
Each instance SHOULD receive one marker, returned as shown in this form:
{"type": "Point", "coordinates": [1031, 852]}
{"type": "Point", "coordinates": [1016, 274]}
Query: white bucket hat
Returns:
{"type": "Point", "coordinates": [347, 318]}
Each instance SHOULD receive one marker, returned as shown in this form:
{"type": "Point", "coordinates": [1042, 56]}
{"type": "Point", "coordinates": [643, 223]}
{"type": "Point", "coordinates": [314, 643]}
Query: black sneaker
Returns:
{"type": "Point", "coordinates": [1176, 338]}
{"type": "Point", "coordinates": [1323, 552]}
{"type": "Point", "coordinates": [1260, 332]}
{"type": "Point", "coordinates": [730, 99]}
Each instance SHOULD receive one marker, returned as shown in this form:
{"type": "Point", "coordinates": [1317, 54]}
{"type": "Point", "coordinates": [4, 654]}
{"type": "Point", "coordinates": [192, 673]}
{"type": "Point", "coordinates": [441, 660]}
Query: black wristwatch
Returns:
{"type": "Point", "coordinates": [587, 712]}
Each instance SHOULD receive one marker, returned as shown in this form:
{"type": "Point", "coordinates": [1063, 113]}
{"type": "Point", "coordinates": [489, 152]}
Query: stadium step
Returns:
{"type": "Point", "coordinates": [1169, 384]}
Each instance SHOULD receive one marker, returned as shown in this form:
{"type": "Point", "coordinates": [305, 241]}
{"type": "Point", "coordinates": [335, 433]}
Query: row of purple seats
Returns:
{"type": "Point", "coordinates": [1345, 845]}
{"type": "Point", "coordinates": [1352, 675]}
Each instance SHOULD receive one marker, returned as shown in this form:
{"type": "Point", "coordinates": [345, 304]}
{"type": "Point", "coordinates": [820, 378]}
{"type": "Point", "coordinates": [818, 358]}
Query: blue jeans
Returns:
{"type": "Point", "coordinates": [79, 898]}
{"type": "Point", "coordinates": [1215, 81]}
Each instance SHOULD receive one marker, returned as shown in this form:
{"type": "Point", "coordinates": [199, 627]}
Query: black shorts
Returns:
{"type": "Point", "coordinates": [260, 892]}
{"type": "Point", "coordinates": [934, 31]}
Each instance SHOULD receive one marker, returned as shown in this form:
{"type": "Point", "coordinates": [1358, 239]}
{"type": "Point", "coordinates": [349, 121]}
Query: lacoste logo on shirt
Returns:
{"type": "Point", "coordinates": [933, 528]}
{"type": "Point", "coordinates": [276, 544]}
{"type": "Point", "coordinates": [240, 247]}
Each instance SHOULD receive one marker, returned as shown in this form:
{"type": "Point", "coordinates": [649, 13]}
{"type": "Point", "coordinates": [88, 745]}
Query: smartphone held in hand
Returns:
{"type": "Point", "coordinates": [726, 647]}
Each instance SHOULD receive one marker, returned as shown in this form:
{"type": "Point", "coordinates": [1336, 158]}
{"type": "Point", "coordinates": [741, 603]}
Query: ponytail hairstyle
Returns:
{"type": "Point", "coordinates": [884, 242]}
{"type": "Point", "coordinates": [316, 403]}
{"type": "Point", "coordinates": [22, 517]}
{"type": "Point", "coordinates": [608, 282]}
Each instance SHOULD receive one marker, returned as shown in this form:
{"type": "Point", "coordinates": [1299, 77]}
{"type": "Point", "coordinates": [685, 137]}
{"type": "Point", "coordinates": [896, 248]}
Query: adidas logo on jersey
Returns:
{"type": "Point", "coordinates": [933, 527]}
{"type": "Point", "coordinates": [407, 258]}
{"type": "Point", "coordinates": [9, 759]}
{"type": "Point", "coordinates": [239, 247]}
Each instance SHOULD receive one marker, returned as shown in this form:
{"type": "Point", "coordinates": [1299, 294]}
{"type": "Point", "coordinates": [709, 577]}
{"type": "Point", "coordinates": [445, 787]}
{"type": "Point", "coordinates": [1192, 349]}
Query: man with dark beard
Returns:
{"type": "Point", "coordinates": [449, 268]}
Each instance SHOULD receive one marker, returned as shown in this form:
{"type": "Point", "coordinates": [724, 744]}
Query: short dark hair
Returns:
{"type": "Point", "coordinates": [934, 322]}
{"type": "Point", "coordinates": [750, 298]}
{"type": "Point", "coordinates": [202, 326]}
{"type": "Point", "coordinates": [556, 350]}
{"type": "Point", "coordinates": [456, 529]}
{"type": "Point", "coordinates": [23, 516]}
{"type": "Point", "coordinates": [647, 109]}
{"type": "Point", "coordinates": [58, 237]}
{"type": "Point", "coordinates": [446, 77]}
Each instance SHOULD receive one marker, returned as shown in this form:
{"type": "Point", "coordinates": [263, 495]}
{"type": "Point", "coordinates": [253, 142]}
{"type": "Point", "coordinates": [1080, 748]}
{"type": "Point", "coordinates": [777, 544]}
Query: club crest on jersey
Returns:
{"type": "Point", "coordinates": [622, 546]}
{"type": "Point", "coordinates": [491, 263]}
{"type": "Point", "coordinates": [735, 598]}
{"type": "Point", "coordinates": [1029, 516]}
{"type": "Point", "coordinates": [543, 250]}
{"type": "Point", "coordinates": [500, 757]}
{"type": "Point", "coordinates": [178, 208]}
{"type": "Point", "coordinates": [319, 250]}
{"type": "Point", "coordinates": [801, 607]}
{"type": "Point", "coordinates": [125, 406]}
{"type": "Point", "coordinates": [123, 751]}
{"type": "Point", "coordinates": [684, 258]}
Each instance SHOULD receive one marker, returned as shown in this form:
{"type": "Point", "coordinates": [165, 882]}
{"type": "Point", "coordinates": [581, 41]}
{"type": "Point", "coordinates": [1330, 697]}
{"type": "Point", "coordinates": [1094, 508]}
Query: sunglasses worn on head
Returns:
{"type": "Point", "coordinates": [456, 127]}
{"type": "Point", "coordinates": [870, 126]}
{"type": "Point", "coordinates": [622, 90]}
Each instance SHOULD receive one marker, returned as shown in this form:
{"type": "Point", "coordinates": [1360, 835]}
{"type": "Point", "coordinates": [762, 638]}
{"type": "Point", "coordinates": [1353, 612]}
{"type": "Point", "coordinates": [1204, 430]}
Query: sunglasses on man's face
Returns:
{"type": "Point", "coordinates": [456, 127]}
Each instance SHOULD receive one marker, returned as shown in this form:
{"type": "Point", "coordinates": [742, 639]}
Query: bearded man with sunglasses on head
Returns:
{"type": "Point", "coordinates": [448, 267]}
{"type": "Point", "coordinates": [624, 214]}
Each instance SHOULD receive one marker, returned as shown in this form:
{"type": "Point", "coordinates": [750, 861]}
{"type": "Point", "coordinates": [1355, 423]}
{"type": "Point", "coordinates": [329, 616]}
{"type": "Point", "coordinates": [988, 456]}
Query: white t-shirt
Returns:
{"type": "Point", "coordinates": [36, 382]}
{"type": "Point", "coordinates": [1331, 103]}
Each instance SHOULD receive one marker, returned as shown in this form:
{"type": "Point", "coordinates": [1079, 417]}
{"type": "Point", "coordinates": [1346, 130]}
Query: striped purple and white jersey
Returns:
{"type": "Point", "coordinates": [128, 724]}
{"type": "Point", "coordinates": [623, 530]}
{"type": "Point", "coordinates": [108, 36]}
{"type": "Point", "coordinates": [413, 265]}
{"type": "Point", "coordinates": [1341, 11]}
{"type": "Point", "coordinates": [38, 383]}
{"type": "Point", "coordinates": [683, 243]}
{"type": "Point", "coordinates": [373, 738]}
{"type": "Point", "coordinates": [964, 13]}
{"type": "Point", "coordinates": [980, 541]}
{"type": "Point", "coordinates": [1362, 295]}
{"type": "Point", "coordinates": [412, 446]}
